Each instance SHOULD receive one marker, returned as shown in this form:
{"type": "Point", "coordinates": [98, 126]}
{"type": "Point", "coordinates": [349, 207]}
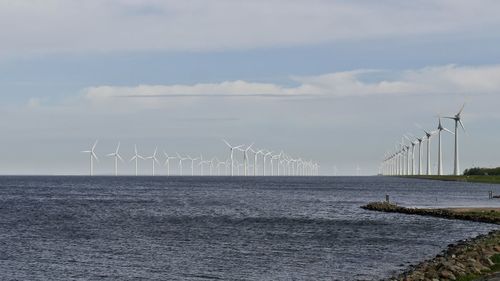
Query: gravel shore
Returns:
{"type": "Point", "coordinates": [475, 259]}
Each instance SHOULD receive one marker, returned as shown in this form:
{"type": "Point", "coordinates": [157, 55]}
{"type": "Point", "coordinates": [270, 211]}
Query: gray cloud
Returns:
{"type": "Point", "coordinates": [54, 26]}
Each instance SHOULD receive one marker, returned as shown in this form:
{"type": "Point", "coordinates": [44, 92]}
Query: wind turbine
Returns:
{"type": "Point", "coordinates": [245, 158]}
{"type": "Point", "coordinates": [255, 160]}
{"type": "Point", "coordinates": [429, 136]}
{"type": "Point", "coordinates": [413, 144]}
{"type": "Point", "coordinates": [203, 162]}
{"type": "Point", "coordinates": [136, 158]}
{"type": "Point", "coordinates": [458, 120]}
{"type": "Point", "coordinates": [440, 128]}
{"type": "Point", "coordinates": [232, 148]}
{"type": "Point", "coordinates": [180, 163]}
{"type": "Point", "coordinates": [167, 162]}
{"type": "Point", "coordinates": [192, 163]}
{"type": "Point", "coordinates": [93, 156]}
{"type": "Point", "coordinates": [154, 159]}
{"type": "Point", "coordinates": [117, 157]}
{"type": "Point", "coordinates": [269, 153]}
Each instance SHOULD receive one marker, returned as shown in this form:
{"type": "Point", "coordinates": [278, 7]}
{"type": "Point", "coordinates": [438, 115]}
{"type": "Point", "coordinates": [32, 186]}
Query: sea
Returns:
{"type": "Point", "coordinates": [224, 228]}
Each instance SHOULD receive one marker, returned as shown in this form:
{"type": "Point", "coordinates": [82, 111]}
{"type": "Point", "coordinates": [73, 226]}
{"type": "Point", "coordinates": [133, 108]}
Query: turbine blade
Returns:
{"type": "Point", "coordinates": [448, 131]}
{"type": "Point", "coordinates": [119, 157]}
{"type": "Point", "coordinates": [461, 124]}
{"type": "Point", "coordinates": [226, 142]}
{"type": "Point", "coordinates": [95, 144]}
{"type": "Point", "coordinates": [461, 109]}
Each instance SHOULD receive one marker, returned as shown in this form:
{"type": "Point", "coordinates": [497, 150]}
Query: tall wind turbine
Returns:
{"type": "Point", "coordinates": [180, 163]}
{"type": "Point", "coordinates": [440, 128]}
{"type": "Point", "coordinates": [117, 157]}
{"type": "Point", "coordinates": [232, 148]}
{"type": "Point", "coordinates": [192, 163]}
{"type": "Point", "coordinates": [255, 161]}
{"type": "Point", "coordinates": [167, 162]}
{"type": "Point", "coordinates": [245, 158]}
{"type": "Point", "coordinates": [136, 159]}
{"type": "Point", "coordinates": [154, 160]}
{"type": "Point", "coordinates": [458, 120]}
{"type": "Point", "coordinates": [269, 153]}
{"type": "Point", "coordinates": [93, 156]}
{"type": "Point", "coordinates": [429, 136]}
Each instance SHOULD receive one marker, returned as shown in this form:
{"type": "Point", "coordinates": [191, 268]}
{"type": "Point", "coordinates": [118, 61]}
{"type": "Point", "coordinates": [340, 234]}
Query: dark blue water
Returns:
{"type": "Point", "coordinates": [193, 228]}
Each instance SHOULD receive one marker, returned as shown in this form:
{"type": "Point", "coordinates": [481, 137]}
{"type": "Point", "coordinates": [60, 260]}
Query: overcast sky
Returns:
{"type": "Point", "coordinates": [336, 81]}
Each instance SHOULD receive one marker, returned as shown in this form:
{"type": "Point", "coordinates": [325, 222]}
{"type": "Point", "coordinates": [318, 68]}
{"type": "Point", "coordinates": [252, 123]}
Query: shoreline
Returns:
{"type": "Point", "coordinates": [472, 259]}
{"type": "Point", "coordinates": [474, 179]}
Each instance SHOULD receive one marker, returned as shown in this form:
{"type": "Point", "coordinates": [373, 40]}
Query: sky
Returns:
{"type": "Point", "coordinates": [335, 81]}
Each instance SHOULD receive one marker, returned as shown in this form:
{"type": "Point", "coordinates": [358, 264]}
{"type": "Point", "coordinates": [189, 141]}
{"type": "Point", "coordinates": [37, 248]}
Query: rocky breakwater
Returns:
{"type": "Point", "coordinates": [468, 260]}
{"type": "Point", "coordinates": [478, 215]}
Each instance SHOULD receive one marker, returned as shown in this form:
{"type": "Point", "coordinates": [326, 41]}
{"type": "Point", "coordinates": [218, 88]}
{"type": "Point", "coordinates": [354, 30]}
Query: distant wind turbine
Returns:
{"type": "Point", "coordinates": [458, 120]}
{"type": "Point", "coordinates": [167, 162]}
{"type": "Point", "coordinates": [440, 128]}
{"type": "Point", "coordinates": [136, 159]}
{"type": "Point", "coordinates": [93, 156]}
{"type": "Point", "coordinates": [429, 136]}
{"type": "Point", "coordinates": [117, 157]}
{"type": "Point", "coordinates": [192, 163]}
{"type": "Point", "coordinates": [180, 162]}
{"type": "Point", "coordinates": [232, 148]}
{"type": "Point", "coordinates": [154, 160]}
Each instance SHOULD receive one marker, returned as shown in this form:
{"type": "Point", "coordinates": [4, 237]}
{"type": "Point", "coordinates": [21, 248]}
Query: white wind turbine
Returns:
{"type": "Point", "coordinates": [245, 158]}
{"type": "Point", "coordinates": [255, 160]}
{"type": "Point", "coordinates": [202, 163]}
{"type": "Point", "coordinates": [213, 164]}
{"type": "Point", "coordinates": [192, 163]}
{"type": "Point", "coordinates": [429, 136]}
{"type": "Point", "coordinates": [232, 148]}
{"type": "Point", "coordinates": [440, 128]}
{"type": "Point", "coordinates": [93, 156]}
{"type": "Point", "coordinates": [154, 160]}
{"type": "Point", "coordinates": [458, 120]}
{"type": "Point", "coordinates": [117, 157]}
{"type": "Point", "coordinates": [136, 159]}
{"type": "Point", "coordinates": [269, 153]}
{"type": "Point", "coordinates": [180, 163]}
{"type": "Point", "coordinates": [167, 161]}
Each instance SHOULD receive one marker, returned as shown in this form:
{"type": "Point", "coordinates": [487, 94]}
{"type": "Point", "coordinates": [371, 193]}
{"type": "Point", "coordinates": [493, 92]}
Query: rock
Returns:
{"type": "Point", "coordinates": [447, 275]}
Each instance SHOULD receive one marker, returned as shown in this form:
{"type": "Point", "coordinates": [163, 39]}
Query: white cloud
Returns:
{"type": "Point", "coordinates": [448, 79]}
{"type": "Point", "coordinates": [35, 26]}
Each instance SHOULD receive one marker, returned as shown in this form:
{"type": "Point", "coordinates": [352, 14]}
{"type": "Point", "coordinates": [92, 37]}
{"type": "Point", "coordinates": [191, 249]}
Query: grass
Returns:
{"type": "Point", "coordinates": [480, 179]}
{"type": "Point", "coordinates": [468, 277]}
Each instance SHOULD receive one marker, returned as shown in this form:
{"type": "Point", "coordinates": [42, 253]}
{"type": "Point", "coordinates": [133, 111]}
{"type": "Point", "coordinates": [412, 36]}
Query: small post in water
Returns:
{"type": "Point", "coordinates": [387, 198]}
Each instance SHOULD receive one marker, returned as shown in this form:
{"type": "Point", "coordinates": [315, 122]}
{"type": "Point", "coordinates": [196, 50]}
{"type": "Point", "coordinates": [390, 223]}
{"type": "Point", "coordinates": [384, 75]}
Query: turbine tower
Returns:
{"type": "Point", "coordinates": [245, 158]}
{"type": "Point", "coordinates": [420, 141]}
{"type": "Point", "coordinates": [429, 136]}
{"type": "Point", "coordinates": [93, 156]}
{"type": "Point", "coordinates": [192, 163]}
{"type": "Point", "coordinates": [167, 162]}
{"type": "Point", "coordinates": [255, 161]}
{"type": "Point", "coordinates": [269, 153]}
{"type": "Point", "coordinates": [136, 158]}
{"type": "Point", "coordinates": [440, 128]}
{"type": "Point", "coordinates": [180, 163]}
{"type": "Point", "coordinates": [232, 148]}
{"type": "Point", "coordinates": [154, 160]}
{"type": "Point", "coordinates": [458, 120]}
{"type": "Point", "coordinates": [117, 157]}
